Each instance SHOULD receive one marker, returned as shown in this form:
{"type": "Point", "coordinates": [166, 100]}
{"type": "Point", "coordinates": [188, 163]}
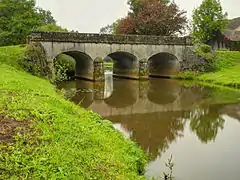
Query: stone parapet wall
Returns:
{"type": "Point", "coordinates": [109, 38]}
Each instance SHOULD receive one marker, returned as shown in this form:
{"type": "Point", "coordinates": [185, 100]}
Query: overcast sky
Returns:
{"type": "Point", "coordinates": [91, 15]}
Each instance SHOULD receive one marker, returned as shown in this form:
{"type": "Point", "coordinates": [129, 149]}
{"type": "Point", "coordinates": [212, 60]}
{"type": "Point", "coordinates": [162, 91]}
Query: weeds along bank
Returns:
{"type": "Point", "coordinates": [226, 70]}
{"type": "Point", "coordinates": [42, 135]}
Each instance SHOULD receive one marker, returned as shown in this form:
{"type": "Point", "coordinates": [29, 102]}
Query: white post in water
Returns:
{"type": "Point", "coordinates": [108, 90]}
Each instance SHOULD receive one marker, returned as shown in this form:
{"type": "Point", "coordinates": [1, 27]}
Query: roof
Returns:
{"type": "Point", "coordinates": [232, 30]}
{"type": "Point", "coordinates": [233, 23]}
{"type": "Point", "coordinates": [233, 35]}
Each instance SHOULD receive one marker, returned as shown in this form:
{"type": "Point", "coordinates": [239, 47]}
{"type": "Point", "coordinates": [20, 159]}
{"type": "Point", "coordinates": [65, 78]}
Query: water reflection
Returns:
{"type": "Point", "coordinates": [159, 114]}
{"type": "Point", "coordinates": [165, 92]}
{"type": "Point", "coordinates": [127, 91]}
{"type": "Point", "coordinates": [154, 131]}
{"type": "Point", "coordinates": [108, 84]}
{"type": "Point", "coordinates": [206, 122]}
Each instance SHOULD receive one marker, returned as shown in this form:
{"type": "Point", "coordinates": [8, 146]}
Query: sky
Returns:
{"type": "Point", "coordinates": [90, 15]}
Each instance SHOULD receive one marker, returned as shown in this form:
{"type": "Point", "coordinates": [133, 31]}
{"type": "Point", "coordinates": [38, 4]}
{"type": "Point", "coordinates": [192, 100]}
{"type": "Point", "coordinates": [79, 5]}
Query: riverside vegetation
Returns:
{"type": "Point", "coordinates": [225, 70]}
{"type": "Point", "coordinates": [44, 136]}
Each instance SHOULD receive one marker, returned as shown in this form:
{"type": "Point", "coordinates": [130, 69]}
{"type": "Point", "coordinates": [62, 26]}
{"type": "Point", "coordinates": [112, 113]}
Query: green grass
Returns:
{"type": "Point", "coordinates": [10, 55]}
{"type": "Point", "coordinates": [227, 73]}
{"type": "Point", "coordinates": [226, 77]}
{"type": "Point", "coordinates": [66, 141]}
{"type": "Point", "coordinates": [227, 70]}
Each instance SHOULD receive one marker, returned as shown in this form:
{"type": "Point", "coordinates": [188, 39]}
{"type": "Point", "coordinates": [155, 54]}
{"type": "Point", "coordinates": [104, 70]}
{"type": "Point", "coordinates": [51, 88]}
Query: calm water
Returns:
{"type": "Point", "coordinates": [196, 124]}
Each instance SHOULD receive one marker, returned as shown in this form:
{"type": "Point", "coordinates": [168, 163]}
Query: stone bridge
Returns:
{"type": "Point", "coordinates": [133, 56]}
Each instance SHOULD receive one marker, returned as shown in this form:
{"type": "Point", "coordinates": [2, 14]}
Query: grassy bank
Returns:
{"type": "Point", "coordinates": [44, 136]}
{"type": "Point", "coordinates": [227, 70]}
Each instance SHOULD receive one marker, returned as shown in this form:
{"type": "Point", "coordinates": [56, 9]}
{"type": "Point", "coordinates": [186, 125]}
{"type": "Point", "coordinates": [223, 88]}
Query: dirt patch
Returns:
{"type": "Point", "coordinates": [10, 128]}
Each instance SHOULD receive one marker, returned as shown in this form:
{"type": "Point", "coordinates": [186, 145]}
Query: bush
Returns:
{"type": "Point", "coordinates": [206, 55]}
{"type": "Point", "coordinates": [35, 60]}
{"type": "Point", "coordinates": [68, 62]}
{"type": "Point", "coordinates": [64, 66]}
{"type": "Point", "coordinates": [205, 51]}
{"type": "Point", "coordinates": [52, 28]}
{"type": "Point", "coordinates": [205, 48]}
{"type": "Point", "coordinates": [188, 75]}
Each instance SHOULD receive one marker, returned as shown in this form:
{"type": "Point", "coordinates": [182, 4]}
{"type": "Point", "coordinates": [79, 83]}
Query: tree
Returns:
{"type": "Point", "coordinates": [19, 17]}
{"type": "Point", "coordinates": [208, 21]}
{"type": "Point", "coordinates": [46, 16]}
{"type": "Point", "coordinates": [135, 5]}
{"type": "Point", "coordinates": [52, 28]}
{"type": "Point", "coordinates": [110, 29]}
{"type": "Point", "coordinates": [17, 20]}
{"type": "Point", "coordinates": [126, 26]}
{"type": "Point", "coordinates": [155, 18]}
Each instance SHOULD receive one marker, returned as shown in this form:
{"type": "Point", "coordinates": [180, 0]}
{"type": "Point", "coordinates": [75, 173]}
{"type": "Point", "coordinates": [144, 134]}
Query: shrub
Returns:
{"type": "Point", "coordinates": [64, 68]}
{"type": "Point", "coordinates": [206, 55]}
{"type": "Point", "coordinates": [68, 62]}
{"type": "Point", "coordinates": [205, 51]}
{"type": "Point", "coordinates": [205, 48]}
{"type": "Point", "coordinates": [188, 75]}
{"type": "Point", "coordinates": [60, 73]}
{"type": "Point", "coordinates": [35, 60]}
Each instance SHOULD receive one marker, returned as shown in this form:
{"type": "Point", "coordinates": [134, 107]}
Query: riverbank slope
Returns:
{"type": "Point", "coordinates": [44, 136]}
{"type": "Point", "coordinates": [227, 70]}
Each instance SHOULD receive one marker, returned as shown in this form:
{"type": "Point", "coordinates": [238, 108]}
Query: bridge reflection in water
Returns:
{"type": "Point", "coordinates": [158, 113]}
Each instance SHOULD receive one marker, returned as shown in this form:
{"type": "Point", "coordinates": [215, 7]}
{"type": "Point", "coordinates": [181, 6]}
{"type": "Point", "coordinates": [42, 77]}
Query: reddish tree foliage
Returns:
{"type": "Point", "coordinates": [155, 18]}
{"type": "Point", "coordinates": [126, 26]}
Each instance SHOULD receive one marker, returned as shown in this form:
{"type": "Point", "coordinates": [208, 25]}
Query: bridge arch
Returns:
{"type": "Point", "coordinates": [163, 64]}
{"type": "Point", "coordinates": [125, 64]}
{"type": "Point", "coordinates": [84, 64]}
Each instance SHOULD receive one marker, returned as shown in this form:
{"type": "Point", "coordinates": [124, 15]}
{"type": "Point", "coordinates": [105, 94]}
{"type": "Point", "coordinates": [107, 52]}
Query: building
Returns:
{"type": "Point", "coordinates": [228, 38]}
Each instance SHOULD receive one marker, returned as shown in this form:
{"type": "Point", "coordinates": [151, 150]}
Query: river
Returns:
{"type": "Point", "coordinates": [198, 125]}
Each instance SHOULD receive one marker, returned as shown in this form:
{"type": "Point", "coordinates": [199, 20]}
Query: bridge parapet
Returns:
{"type": "Point", "coordinates": [109, 38]}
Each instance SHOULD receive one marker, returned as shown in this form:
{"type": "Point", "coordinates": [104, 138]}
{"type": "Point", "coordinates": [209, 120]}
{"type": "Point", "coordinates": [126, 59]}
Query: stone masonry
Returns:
{"type": "Point", "coordinates": [86, 48]}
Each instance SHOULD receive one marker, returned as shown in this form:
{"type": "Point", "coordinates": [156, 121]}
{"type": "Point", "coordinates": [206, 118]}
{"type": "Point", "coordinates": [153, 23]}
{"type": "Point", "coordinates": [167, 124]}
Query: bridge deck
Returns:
{"type": "Point", "coordinates": [109, 38]}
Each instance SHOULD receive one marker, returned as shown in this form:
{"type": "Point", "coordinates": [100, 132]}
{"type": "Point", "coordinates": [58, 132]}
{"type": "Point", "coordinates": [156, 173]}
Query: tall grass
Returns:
{"type": "Point", "coordinates": [226, 70]}
{"type": "Point", "coordinates": [65, 141]}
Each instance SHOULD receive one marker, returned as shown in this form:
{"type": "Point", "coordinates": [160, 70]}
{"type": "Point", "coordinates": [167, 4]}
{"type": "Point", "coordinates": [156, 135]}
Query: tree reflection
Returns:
{"type": "Point", "coordinates": [154, 132]}
{"type": "Point", "coordinates": [206, 122]}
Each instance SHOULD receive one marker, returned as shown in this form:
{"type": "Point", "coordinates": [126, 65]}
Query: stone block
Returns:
{"type": "Point", "coordinates": [99, 70]}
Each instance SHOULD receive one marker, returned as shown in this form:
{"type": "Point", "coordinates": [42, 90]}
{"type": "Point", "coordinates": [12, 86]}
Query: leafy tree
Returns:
{"type": "Point", "coordinates": [19, 17]}
{"type": "Point", "coordinates": [46, 16]}
{"type": "Point", "coordinates": [17, 20]}
{"type": "Point", "coordinates": [127, 26]}
{"type": "Point", "coordinates": [155, 18]}
{"type": "Point", "coordinates": [208, 21]}
{"type": "Point", "coordinates": [206, 123]}
{"type": "Point", "coordinates": [110, 29]}
{"type": "Point", "coordinates": [52, 28]}
{"type": "Point", "coordinates": [135, 5]}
